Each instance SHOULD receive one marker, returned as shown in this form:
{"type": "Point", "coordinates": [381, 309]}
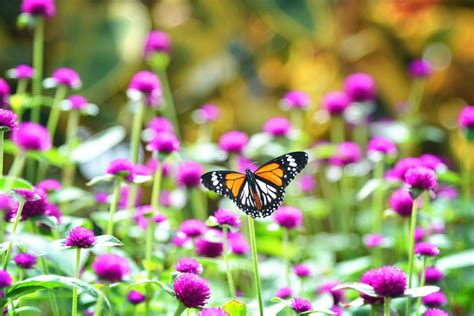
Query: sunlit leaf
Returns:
{"type": "Point", "coordinates": [15, 183]}
{"type": "Point", "coordinates": [360, 287]}
{"type": "Point", "coordinates": [98, 179]}
{"type": "Point", "coordinates": [107, 241]}
{"type": "Point", "coordinates": [98, 144]}
{"type": "Point", "coordinates": [235, 308]}
{"type": "Point", "coordinates": [421, 291]}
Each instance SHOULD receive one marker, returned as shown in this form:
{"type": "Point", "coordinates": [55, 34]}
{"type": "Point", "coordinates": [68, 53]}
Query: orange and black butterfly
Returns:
{"type": "Point", "coordinates": [258, 193]}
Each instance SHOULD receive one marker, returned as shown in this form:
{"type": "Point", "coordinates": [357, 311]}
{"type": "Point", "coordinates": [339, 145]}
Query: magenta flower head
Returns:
{"type": "Point", "coordinates": [67, 77]}
{"type": "Point", "coordinates": [465, 120]}
{"type": "Point", "coordinates": [335, 102]}
{"type": "Point", "coordinates": [401, 202]}
{"type": "Point", "coordinates": [5, 279]}
{"type": "Point", "coordinates": [302, 270]}
{"type": "Point", "coordinates": [295, 100]}
{"type": "Point", "coordinates": [21, 72]}
{"type": "Point", "coordinates": [381, 145]}
{"type": "Point", "coordinates": [210, 245]}
{"type": "Point", "coordinates": [207, 113]}
{"type": "Point", "coordinates": [188, 265]}
{"type": "Point", "coordinates": [192, 290]}
{"type": "Point", "coordinates": [419, 234]}
{"type": "Point", "coordinates": [122, 168]}
{"type": "Point", "coordinates": [431, 161]}
{"type": "Point", "coordinates": [420, 179]}
{"type": "Point", "coordinates": [45, 8]}
{"type": "Point", "coordinates": [346, 153]}
{"type": "Point", "coordinates": [435, 300]}
{"type": "Point", "coordinates": [433, 275]}
{"type": "Point", "coordinates": [189, 174]}
{"type": "Point", "coordinates": [337, 295]}
{"type": "Point", "coordinates": [36, 204]}
{"type": "Point", "coordinates": [307, 183]}
{"type": "Point", "coordinates": [180, 240]}
{"type": "Point", "coordinates": [213, 311]}
{"type": "Point", "coordinates": [389, 281]}
{"type": "Point", "coordinates": [77, 102]}
{"type": "Point", "coordinates": [233, 142]}
{"type": "Point", "coordinates": [160, 124]}
{"type": "Point", "coordinates": [193, 228]}
{"type": "Point", "coordinates": [157, 42]}
{"type": "Point", "coordinates": [49, 185]}
{"type": "Point", "coordinates": [80, 237]}
{"type": "Point", "coordinates": [284, 293]}
{"type": "Point", "coordinates": [226, 217]}
{"type": "Point", "coordinates": [288, 217]}
{"type": "Point", "coordinates": [136, 297]}
{"type": "Point", "coordinates": [146, 84]}
{"type": "Point", "coordinates": [25, 260]}
{"type": "Point", "coordinates": [426, 249]}
{"type": "Point", "coordinates": [420, 68]}
{"type": "Point", "coordinates": [405, 164]}
{"type": "Point", "coordinates": [8, 120]}
{"type": "Point", "coordinates": [436, 312]}
{"type": "Point", "coordinates": [370, 277]}
{"type": "Point", "coordinates": [277, 126]}
{"type": "Point", "coordinates": [164, 142]}
{"type": "Point", "coordinates": [4, 93]}
{"type": "Point", "coordinates": [373, 240]}
{"type": "Point", "coordinates": [32, 136]}
{"type": "Point", "coordinates": [300, 305]}
{"type": "Point", "coordinates": [238, 244]}
{"type": "Point", "coordinates": [360, 87]}
{"type": "Point", "coordinates": [112, 268]}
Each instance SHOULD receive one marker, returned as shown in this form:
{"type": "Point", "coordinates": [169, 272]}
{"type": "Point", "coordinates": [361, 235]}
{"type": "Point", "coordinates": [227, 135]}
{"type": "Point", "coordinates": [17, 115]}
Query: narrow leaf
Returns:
{"type": "Point", "coordinates": [16, 183]}
{"type": "Point", "coordinates": [421, 291]}
{"type": "Point", "coordinates": [107, 241]}
{"type": "Point", "coordinates": [360, 287]}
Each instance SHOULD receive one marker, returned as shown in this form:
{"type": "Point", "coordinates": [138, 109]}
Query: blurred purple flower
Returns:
{"type": "Point", "coordinates": [4, 93]}
{"type": "Point", "coordinates": [277, 126]}
{"type": "Point", "coordinates": [335, 102]}
{"type": "Point", "coordinates": [8, 120]}
{"type": "Point", "coordinates": [244, 164]}
{"type": "Point", "coordinates": [49, 185]}
{"type": "Point", "coordinates": [45, 8]}
{"type": "Point", "coordinates": [436, 312]}
{"type": "Point", "coordinates": [300, 305]}
{"type": "Point", "coordinates": [181, 240]}
{"type": "Point", "coordinates": [296, 100]}
{"type": "Point", "coordinates": [165, 168]}
{"type": "Point", "coordinates": [207, 113]}
{"type": "Point", "coordinates": [284, 293]}
{"type": "Point", "coordinates": [77, 102]}
{"type": "Point", "coordinates": [188, 265]}
{"type": "Point", "coordinates": [405, 164]}
{"type": "Point", "coordinates": [426, 249]}
{"type": "Point", "coordinates": [419, 234]}
{"type": "Point", "coordinates": [148, 84]}
{"type": "Point", "coordinates": [210, 245]}
{"type": "Point", "coordinates": [32, 207]}
{"type": "Point", "coordinates": [135, 297]}
{"type": "Point", "coordinates": [446, 192]}
{"type": "Point", "coordinates": [430, 161]}
{"type": "Point", "coordinates": [5, 279]}
{"type": "Point", "coordinates": [160, 124]}
{"type": "Point", "coordinates": [67, 77]}
{"type": "Point", "coordinates": [288, 217]}
{"type": "Point", "coordinates": [157, 42]}
{"type": "Point", "coordinates": [337, 295]}
{"type": "Point", "coordinates": [112, 268]}
{"type": "Point", "coordinates": [421, 178]}
{"type": "Point", "coordinates": [192, 290]}
{"type": "Point", "coordinates": [32, 136]}
{"type": "Point", "coordinates": [80, 237]}
{"type": "Point", "coordinates": [435, 300]}
{"type": "Point", "coordinates": [346, 153]}
{"type": "Point", "coordinates": [23, 72]}
{"type": "Point", "coordinates": [401, 202]}
{"type": "Point", "coordinates": [433, 275]}
{"type": "Point", "coordinates": [25, 260]}
{"type": "Point", "coordinates": [101, 197]}
{"type": "Point", "coordinates": [238, 244]}
{"type": "Point", "coordinates": [124, 194]}
{"type": "Point", "coordinates": [466, 117]}
{"type": "Point", "coordinates": [360, 87]}
{"type": "Point", "coordinates": [373, 240]}
{"type": "Point", "coordinates": [189, 174]}
{"type": "Point", "coordinates": [302, 270]}
{"type": "Point", "coordinates": [122, 168]}
{"type": "Point", "coordinates": [213, 311]}
{"type": "Point", "coordinates": [307, 183]}
{"type": "Point", "coordinates": [227, 217]}
{"type": "Point", "coordinates": [233, 142]}
{"type": "Point", "coordinates": [382, 145]}
{"type": "Point", "coordinates": [164, 142]}
{"type": "Point", "coordinates": [420, 68]}
{"type": "Point", "coordinates": [193, 227]}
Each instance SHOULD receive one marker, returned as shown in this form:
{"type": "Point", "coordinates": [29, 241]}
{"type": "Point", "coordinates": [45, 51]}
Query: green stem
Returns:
{"type": "Point", "coordinates": [53, 120]}
{"type": "Point", "coordinates": [136, 130]}
{"type": "Point", "coordinates": [337, 129]}
{"type": "Point", "coordinates": [100, 300]}
{"type": "Point", "coordinates": [411, 246]}
{"type": "Point", "coordinates": [230, 279]}
{"type": "Point", "coordinates": [38, 47]}
{"type": "Point", "coordinates": [15, 170]}
{"type": "Point", "coordinates": [15, 225]}
{"type": "Point", "coordinates": [378, 198]}
{"type": "Point", "coordinates": [113, 208]}
{"type": "Point", "coordinates": [422, 283]}
{"type": "Point", "coordinates": [345, 203]}
{"type": "Point", "coordinates": [361, 133]}
{"type": "Point", "coordinates": [467, 172]}
{"type": "Point", "coordinates": [71, 135]}
{"type": "Point", "coordinates": [253, 246]}
{"type": "Point", "coordinates": [2, 134]}
{"type": "Point", "coordinates": [386, 306]}
{"type": "Point", "coordinates": [286, 248]}
{"type": "Point", "coordinates": [180, 309]}
{"type": "Point", "coordinates": [197, 204]}
{"type": "Point", "coordinates": [169, 109]}
{"type": "Point", "coordinates": [76, 275]}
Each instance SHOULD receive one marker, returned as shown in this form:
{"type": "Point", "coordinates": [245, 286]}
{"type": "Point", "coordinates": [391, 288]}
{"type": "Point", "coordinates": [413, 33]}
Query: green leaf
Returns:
{"type": "Point", "coordinates": [450, 177]}
{"type": "Point", "coordinates": [107, 241]}
{"type": "Point", "coordinates": [102, 178]}
{"type": "Point", "coordinates": [235, 308]}
{"type": "Point", "coordinates": [360, 287]}
{"type": "Point", "coordinates": [368, 188]}
{"type": "Point", "coordinates": [67, 195]}
{"type": "Point", "coordinates": [31, 309]}
{"type": "Point", "coordinates": [456, 261]}
{"type": "Point", "coordinates": [159, 284]}
{"type": "Point", "coordinates": [16, 183]}
{"type": "Point", "coordinates": [52, 156]}
{"type": "Point", "coordinates": [4, 246]}
{"type": "Point", "coordinates": [49, 221]}
{"type": "Point", "coordinates": [319, 310]}
{"type": "Point", "coordinates": [421, 291]}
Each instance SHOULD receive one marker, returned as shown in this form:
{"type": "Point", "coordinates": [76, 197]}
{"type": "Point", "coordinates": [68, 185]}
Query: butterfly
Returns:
{"type": "Point", "coordinates": [261, 192]}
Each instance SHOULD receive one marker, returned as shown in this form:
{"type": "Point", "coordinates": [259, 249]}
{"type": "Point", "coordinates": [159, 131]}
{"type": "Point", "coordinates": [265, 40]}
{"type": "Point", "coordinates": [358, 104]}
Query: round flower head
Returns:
{"type": "Point", "coordinates": [136, 297]}
{"type": "Point", "coordinates": [101, 197]}
{"type": "Point", "coordinates": [466, 117]}
{"type": "Point", "coordinates": [8, 120]}
{"type": "Point", "coordinates": [207, 113]}
{"type": "Point", "coordinates": [32, 136]}
{"type": "Point", "coordinates": [25, 260]}
{"type": "Point", "coordinates": [210, 245]}
{"type": "Point", "coordinates": [80, 237]}
{"type": "Point", "coordinates": [111, 267]}
{"type": "Point", "coordinates": [192, 227]}
{"type": "Point", "coordinates": [405, 164]}
{"type": "Point", "coordinates": [163, 142]}
{"type": "Point", "coordinates": [49, 185]}
{"type": "Point", "coordinates": [419, 234]}
{"type": "Point", "coordinates": [420, 68]}
{"type": "Point", "coordinates": [226, 217]}
{"type": "Point", "coordinates": [45, 8]}
{"type": "Point", "coordinates": [426, 249]}
{"type": "Point", "coordinates": [307, 183]}
{"type": "Point", "coordinates": [4, 93]}
{"type": "Point", "coordinates": [436, 312]}
{"type": "Point", "coordinates": [238, 244]}
{"type": "Point", "coordinates": [23, 72]}
{"type": "Point", "coordinates": [233, 142]}
{"type": "Point", "coordinates": [284, 293]}
{"type": "Point", "coordinates": [122, 168]}
{"type": "Point", "coordinates": [5, 279]}
{"type": "Point", "coordinates": [188, 265]}
{"type": "Point", "coordinates": [346, 153]}
{"type": "Point", "coordinates": [370, 278]}
{"type": "Point", "coordinates": [421, 178]}
{"type": "Point", "coordinates": [300, 305]}
{"type": "Point", "coordinates": [373, 240]}
{"type": "Point", "coordinates": [296, 100]}
{"type": "Point", "coordinates": [77, 102]}
{"type": "Point", "coordinates": [180, 240]}
{"type": "Point", "coordinates": [192, 290]}
{"type": "Point", "coordinates": [157, 42]}
{"type": "Point", "coordinates": [382, 145]}
{"type": "Point", "coordinates": [433, 275]}
{"type": "Point", "coordinates": [436, 299]}
{"type": "Point", "coordinates": [288, 217]}
{"type": "Point", "coordinates": [160, 124]}
{"type": "Point", "coordinates": [389, 282]}
{"type": "Point", "coordinates": [148, 84]}
{"type": "Point", "coordinates": [335, 102]}
{"type": "Point", "coordinates": [401, 202]}
{"type": "Point", "coordinates": [337, 310]}
{"type": "Point", "coordinates": [213, 311]}
{"type": "Point", "coordinates": [277, 126]}
{"type": "Point", "coordinates": [431, 161]}
{"type": "Point", "coordinates": [302, 270]}
{"type": "Point", "coordinates": [360, 87]}
{"type": "Point", "coordinates": [189, 174]}
{"type": "Point", "coordinates": [67, 77]}
{"type": "Point", "coordinates": [337, 295]}
{"type": "Point", "coordinates": [36, 204]}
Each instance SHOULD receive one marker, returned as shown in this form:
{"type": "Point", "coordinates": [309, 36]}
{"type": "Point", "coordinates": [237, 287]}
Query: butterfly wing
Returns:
{"type": "Point", "coordinates": [226, 183]}
{"type": "Point", "coordinates": [282, 170]}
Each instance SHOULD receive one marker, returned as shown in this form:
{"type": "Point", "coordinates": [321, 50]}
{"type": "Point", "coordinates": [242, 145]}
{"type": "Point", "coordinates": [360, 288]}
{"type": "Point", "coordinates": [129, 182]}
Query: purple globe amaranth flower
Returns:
{"type": "Point", "coordinates": [213, 311]}
{"type": "Point", "coordinates": [136, 297]}
{"type": "Point", "coordinates": [335, 102]}
{"type": "Point", "coordinates": [277, 126]}
{"type": "Point", "coordinates": [32, 136]}
{"type": "Point", "coordinates": [5, 279]}
{"type": "Point", "coordinates": [25, 260]}
{"type": "Point", "coordinates": [77, 102]}
{"type": "Point", "coordinates": [80, 237]}
{"type": "Point", "coordinates": [101, 197]}
{"type": "Point", "coordinates": [296, 100]}
{"type": "Point", "coordinates": [36, 204]}
{"type": "Point", "coordinates": [112, 268]}
{"type": "Point", "coordinates": [67, 77]}
{"type": "Point", "coordinates": [419, 234]}
{"type": "Point", "coordinates": [148, 84]}
{"type": "Point", "coordinates": [337, 295]}
{"type": "Point", "coordinates": [307, 183]}
{"type": "Point", "coordinates": [431, 161]}
{"type": "Point", "coordinates": [227, 217]}
{"type": "Point", "coordinates": [189, 174]}
{"type": "Point", "coordinates": [193, 228]}
{"type": "Point", "coordinates": [435, 300]}
{"type": "Point", "coordinates": [207, 113]}
{"type": "Point", "coordinates": [360, 87]}
{"type": "Point", "coordinates": [466, 117]}
{"type": "Point", "coordinates": [401, 202]}
{"type": "Point", "coordinates": [284, 293]}
{"type": "Point", "coordinates": [188, 265]}
{"type": "Point", "coordinates": [180, 240]}
{"type": "Point", "coordinates": [300, 305]}
{"type": "Point", "coordinates": [192, 290]}
{"type": "Point", "coordinates": [436, 312]}
{"type": "Point", "coordinates": [302, 270]}
{"type": "Point", "coordinates": [124, 194]}
{"type": "Point", "coordinates": [373, 240]}
{"type": "Point", "coordinates": [164, 142]}
{"type": "Point", "coordinates": [210, 245]}
{"type": "Point", "coordinates": [288, 217]}
{"type": "Point", "coordinates": [53, 211]}
{"type": "Point", "coordinates": [382, 145]}
{"type": "Point", "coordinates": [157, 42]}
{"type": "Point", "coordinates": [426, 249]}
{"type": "Point", "coordinates": [122, 168]}
{"type": "Point", "coordinates": [233, 142]}
{"type": "Point", "coordinates": [433, 275]}
{"type": "Point", "coordinates": [8, 120]}
{"type": "Point", "coordinates": [4, 93]}
{"type": "Point", "coordinates": [421, 178]}
{"type": "Point", "coordinates": [23, 72]}
{"type": "Point", "coordinates": [165, 168]}
{"type": "Point", "coordinates": [370, 277]}
{"type": "Point", "coordinates": [160, 124]}
{"type": "Point", "coordinates": [46, 8]}
{"type": "Point", "coordinates": [337, 310]}
{"type": "Point", "coordinates": [389, 281]}
{"type": "Point", "coordinates": [238, 244]}
{"type": "Point", "coordinates": [420, 68]}
{"type": "Point", "coordinates": [405, 164]}
{"type": "Point", "coordinates": [49, 185]}
{"type": "Point", "coordinates": [346, 153]}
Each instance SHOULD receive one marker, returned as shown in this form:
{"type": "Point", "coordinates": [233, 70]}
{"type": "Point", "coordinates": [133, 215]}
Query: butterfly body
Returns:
{"type": "Point", "coordinates": [258, 193]}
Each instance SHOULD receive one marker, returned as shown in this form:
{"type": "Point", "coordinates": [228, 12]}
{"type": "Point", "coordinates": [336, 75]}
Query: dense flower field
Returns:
{"type": "Point", "coordinates": [370, 225]}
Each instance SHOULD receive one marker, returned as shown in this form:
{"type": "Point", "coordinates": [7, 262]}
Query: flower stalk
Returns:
{"type": "Point", "coordinates": [466, 189]}
{"type": "Point", "coordinates": [53, 120]}
{"type": "Point", "coordinates": [337, 129]}
{"type": "Point", "coordinates": [286, 248]}
{"type": "Point", "coordinates": [386, 306]}
{"type": "Point", "coordinates": [38, 48]}
{"type": "Point", "coordinates": [76, 275]}
{"type": "Point", "coordinates": [230, 280]}
{"type": "Point", "coordinates": [15, 225]}
{"type": "Point", "coordinates": [71, 135]}
{"type": "Point", "coordinates": [422, 283]}
{"type": "Point", "coordinates": [169, 108]}
{"type": "Point", "coordinates": [411, 246]}
{"type": "Point", "coordinates": [253, 246]}
{"type": "Point", "coordinates": [113, 207]}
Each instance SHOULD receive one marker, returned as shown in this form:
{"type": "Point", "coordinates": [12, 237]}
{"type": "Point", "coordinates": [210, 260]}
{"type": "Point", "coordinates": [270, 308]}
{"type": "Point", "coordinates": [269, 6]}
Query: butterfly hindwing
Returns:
{"type": "Point", "coordinates": [282, 170]}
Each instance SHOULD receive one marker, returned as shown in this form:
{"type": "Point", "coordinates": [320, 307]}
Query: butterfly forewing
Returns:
{"type": "Point", "coordinates": [282, 170]}
{"type": "Point", "coordinates": [226, 183]}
